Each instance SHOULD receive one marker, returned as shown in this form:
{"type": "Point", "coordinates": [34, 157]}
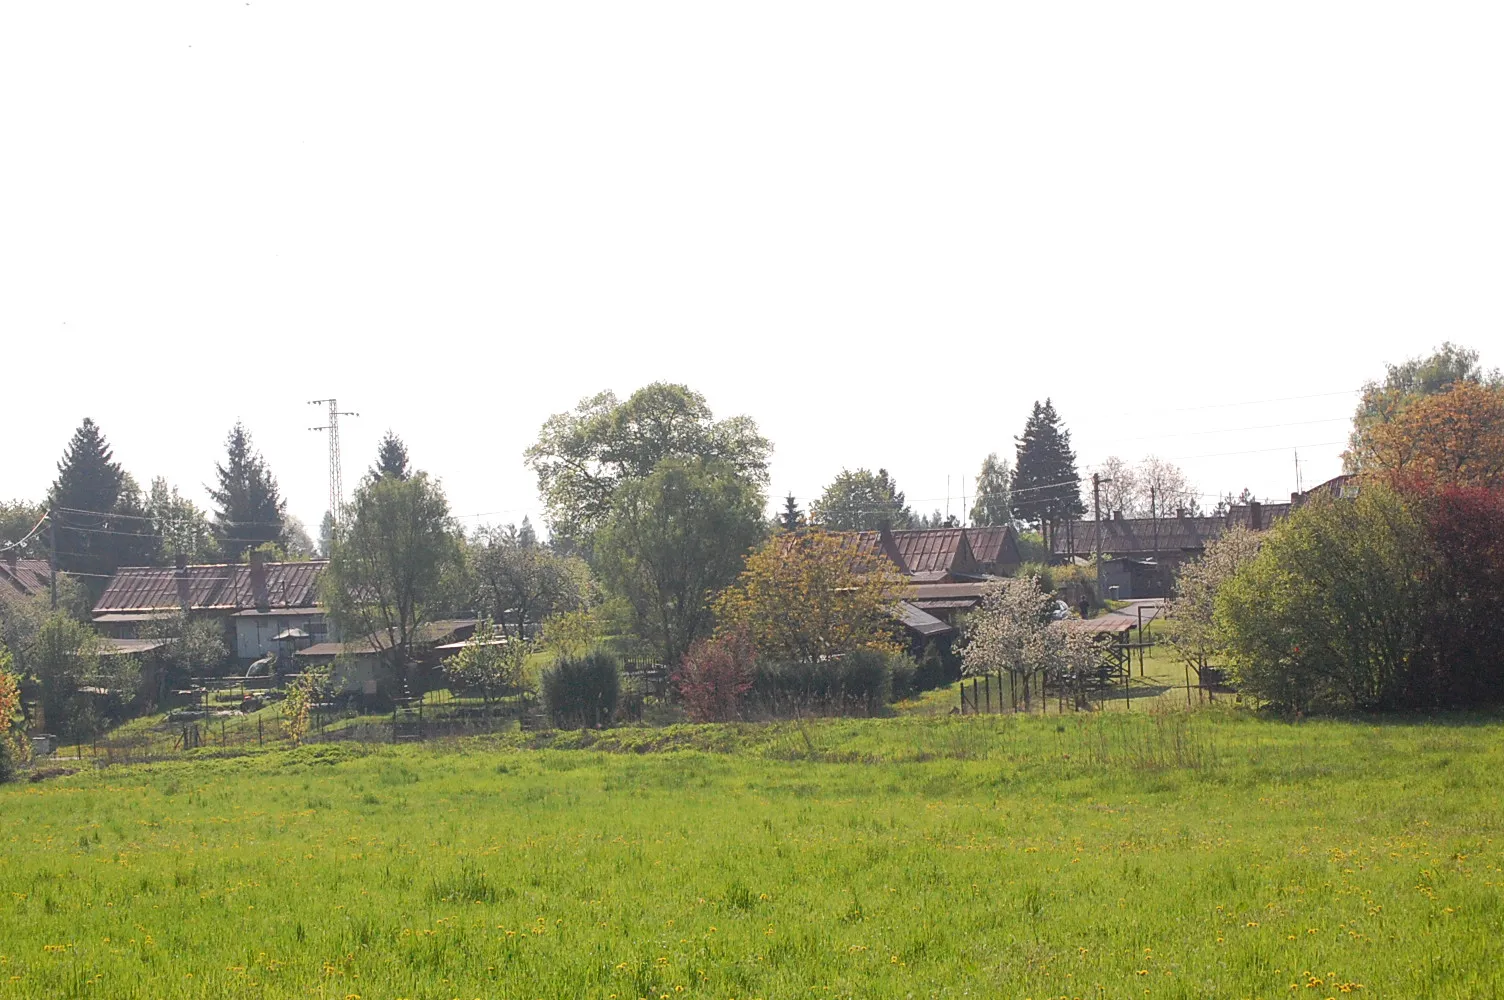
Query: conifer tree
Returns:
{"type": "Point", "coordinates": [250, 507]}
{"type": "Point", "coordinates": [100, 522]}
{"type": "Point", "coordinates": [792, 517]}
{"type": "Point", "coordinates": [1046, 486]}
{"type": "Point", "coordinates": [391, 459]}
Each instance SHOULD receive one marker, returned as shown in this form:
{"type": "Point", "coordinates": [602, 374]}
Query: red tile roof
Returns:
{"type": "Point", "coordinates": [232, 587]}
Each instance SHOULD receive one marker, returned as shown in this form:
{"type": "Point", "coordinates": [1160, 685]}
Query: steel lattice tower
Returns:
{"type": "Point", "coordinates": [336, 473]}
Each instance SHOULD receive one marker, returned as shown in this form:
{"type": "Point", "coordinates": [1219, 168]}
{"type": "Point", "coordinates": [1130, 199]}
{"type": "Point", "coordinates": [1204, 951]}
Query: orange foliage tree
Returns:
{"type": "Point", "coordinates": [1454, 438]}
{"type": "Point", "coordinates": [809, 595]}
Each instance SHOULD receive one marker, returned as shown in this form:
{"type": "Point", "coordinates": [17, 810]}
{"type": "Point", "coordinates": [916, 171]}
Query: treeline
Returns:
{"type": "Point", "coordinates": [1388, 594]}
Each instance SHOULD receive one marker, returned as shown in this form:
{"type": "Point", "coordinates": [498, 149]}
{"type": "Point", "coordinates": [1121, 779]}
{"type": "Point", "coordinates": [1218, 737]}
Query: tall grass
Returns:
{"type": "Point", "coordinates": [1207, 855]}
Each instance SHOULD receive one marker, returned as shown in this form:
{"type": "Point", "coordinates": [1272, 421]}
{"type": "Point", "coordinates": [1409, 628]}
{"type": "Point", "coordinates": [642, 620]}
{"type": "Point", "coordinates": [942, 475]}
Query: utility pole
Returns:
{"type": "Point", "coordinates": [52, 551]}
{"type": "Point", "coordinates": [1154, 516]}
{"type": "Point", "coordinates": [1097, 483]}
{"type": "Point", "coordinates": [336, 474]}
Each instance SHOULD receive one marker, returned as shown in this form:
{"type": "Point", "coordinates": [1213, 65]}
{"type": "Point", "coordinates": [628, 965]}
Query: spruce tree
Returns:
{"type": "Point", "coordinates": [100, 521]}
{"type": "Point", "coordinates": [792, 518]}
{"type": "Point", "coordinates": [1046, 486]}
{"type": "Point", "coordinates": [391, 459]}
{"type": "Point", "coordinates": [250, 508]}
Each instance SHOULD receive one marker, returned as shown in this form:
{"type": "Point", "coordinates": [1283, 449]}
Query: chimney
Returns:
{"type": "Point", "coordinates": [1117, 515]}
{"type": "Point", "coordinates": [259, 595]}
{"type": "Point", "coordinates": [10, 558]}
{"type": "Point", "coordinates": [1255, 515]}
{"type": "Point", "coordinates": [1180, 512]}
{"type": "Point", "coordinates": [185, 596]}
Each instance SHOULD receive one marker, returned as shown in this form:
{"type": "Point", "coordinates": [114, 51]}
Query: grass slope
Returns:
{"type": "Point", "coordinates": [1207, 855]}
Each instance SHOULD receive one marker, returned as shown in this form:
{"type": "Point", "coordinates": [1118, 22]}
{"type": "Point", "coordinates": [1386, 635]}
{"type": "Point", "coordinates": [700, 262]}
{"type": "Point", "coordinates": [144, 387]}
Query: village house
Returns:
{"type": "Point", "coordinates": [22, 578]}
{"type": "Point", "coordinates": [263, 607]}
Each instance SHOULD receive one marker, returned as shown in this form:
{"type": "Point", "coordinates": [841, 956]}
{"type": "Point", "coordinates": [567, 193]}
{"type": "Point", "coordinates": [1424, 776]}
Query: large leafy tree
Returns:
{"type": "Point", "coordinates": [391, 558]}
{"type": "Point", "coordinates": [1046, 485]}
{"type": "Point", "coordinates": [517, 581]}
{"type": "Point", "coordinates": [1407, 383]}
{"type": "Point", "coordinates": [180, 526]}
{"type": "Point", "coordinates": [391, 458]}
{"type": "Point", "coordinates": [861, 500]}
{"type": "Point", "coordinates": [583, 458]}
{"type": "Point", "coordinates": [674, 539]}
{"type": "Point", "coordinates": [1453, 438]}
{"type": "Point", "coordinates": [101, 518]}
{"type": "Point", "coordinates": [251, 510]}
{"type": "Point", "coordinates": [17, 519]}
{"type": "Point", "coordinates": [994, 484]}
{"type": "Point", "coordinates": [1193, 634]}
{"type": "Point", "coordinates": [812, 595]}
{"type": "Point", "coordinates": [1331, 612]}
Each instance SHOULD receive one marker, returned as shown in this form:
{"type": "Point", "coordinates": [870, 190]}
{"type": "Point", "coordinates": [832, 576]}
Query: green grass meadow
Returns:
{"type": "Point", "coordinates": [1179, 855]}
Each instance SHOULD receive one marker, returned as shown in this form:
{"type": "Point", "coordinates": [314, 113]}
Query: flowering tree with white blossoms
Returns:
{"type": "Point", "coordinates": [1014, 631]}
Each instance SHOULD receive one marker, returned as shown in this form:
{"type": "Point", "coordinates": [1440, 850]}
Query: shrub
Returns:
{"type": "Point", "coordinates": [582, 692]}
{"type": "Point", "coordinates": [904, 674]}
{"type": "Point", "coordinates": [932, 671]}
{"type": "Point", "coordinates": [1329, 614]}
{"type": "Point", "coordinates": [713, 678]}
{"type": "Point", "coordinates": [859, 683]}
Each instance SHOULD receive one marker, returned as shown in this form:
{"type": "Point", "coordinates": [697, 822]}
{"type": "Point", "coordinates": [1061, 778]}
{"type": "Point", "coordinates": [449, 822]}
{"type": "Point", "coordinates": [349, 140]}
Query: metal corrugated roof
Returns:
{"type": "Point", "coordinates": [231, 587]}
{"type": "Point", "coordinates": [127, 647]}
{"type": "Point", "coordinates": [939, 591]}
{"type": "Point", "coordinates": [28, 577]}
{"type": "Point", "coordinates": [1109, 624]}
{"type": "Point", "coordinates": [993, 544]}
{"type": "Point", "coordinates": [928, 550]}
{"type": "Point", "coordinates": [920, 621]}
{"type": "Point", "coordinates": [1135, 535]}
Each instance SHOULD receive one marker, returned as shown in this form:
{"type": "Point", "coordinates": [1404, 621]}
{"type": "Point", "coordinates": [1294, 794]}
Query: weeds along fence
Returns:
{"type": "Point", "coordinates": [437, 715]}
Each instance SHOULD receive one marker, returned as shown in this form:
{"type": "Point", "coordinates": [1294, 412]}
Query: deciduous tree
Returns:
{"type": "Point", "coordinates": [519, 582]}
{"type": "Point", "coordinates": [1193, 634]}
{"type": "Point", "coordinates": [862, 500]}
{"type": "Point", "coordinates": [1404, 384]}
{"type": "Point", "coordinates": [811, 596]}
{"type": "Point", "coordinates": [1330, 613]}
{"type": "Point", "coordinates": [389, 562]}
{"type": "Point", "coordinates": [1452, 438]}
{"type": "Point", "coordinates": [994, 486]}
{"type": "Point", "coordinates": [672, 540]}
{"type": "Point", "coordinates": [180, 526]}
{"type": "Point", "coordinates": [584, 457]}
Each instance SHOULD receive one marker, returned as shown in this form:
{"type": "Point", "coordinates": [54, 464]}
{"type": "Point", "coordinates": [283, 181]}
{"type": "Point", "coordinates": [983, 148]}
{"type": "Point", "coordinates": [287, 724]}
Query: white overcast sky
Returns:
{"type": "Point", "coordinates": [882, 230]}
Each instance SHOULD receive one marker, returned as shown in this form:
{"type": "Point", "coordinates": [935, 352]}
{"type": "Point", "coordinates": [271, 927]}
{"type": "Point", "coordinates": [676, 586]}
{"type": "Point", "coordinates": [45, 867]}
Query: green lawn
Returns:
{"type": "Point", "coordinates": [1110, 855]}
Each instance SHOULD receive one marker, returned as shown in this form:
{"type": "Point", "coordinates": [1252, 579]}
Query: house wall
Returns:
{"type": "Point", "coordinates": [253, 633]}
{"type": "Point", "coordinates": [361, 675]}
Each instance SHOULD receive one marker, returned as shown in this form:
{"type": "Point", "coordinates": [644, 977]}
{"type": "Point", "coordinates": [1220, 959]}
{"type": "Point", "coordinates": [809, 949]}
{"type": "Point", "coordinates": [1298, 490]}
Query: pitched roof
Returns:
{"type": "Point", "coordinates": [24, 577]}
{"type": "Point", "coordinates": [921, 622]}
{"type": "Point", "coordinates": [233, 587]}
{"type": "Point", "coordinates": [874, 543]}
{"type": "Point", "coordinates": [993, 544]}
{"type": "Point", "coordinates": [1139, 534]}
{"type": "Point", "coordinates": [936, 550]}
